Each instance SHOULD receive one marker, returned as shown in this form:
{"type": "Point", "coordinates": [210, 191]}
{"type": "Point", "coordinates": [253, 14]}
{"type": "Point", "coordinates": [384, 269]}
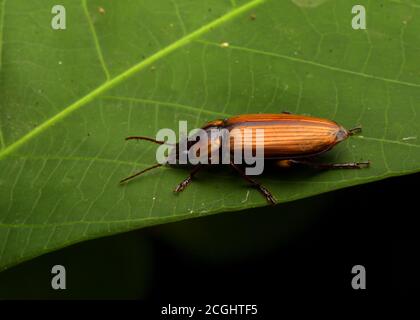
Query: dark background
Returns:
{"type": "Point", "coordinates": [297, 249]}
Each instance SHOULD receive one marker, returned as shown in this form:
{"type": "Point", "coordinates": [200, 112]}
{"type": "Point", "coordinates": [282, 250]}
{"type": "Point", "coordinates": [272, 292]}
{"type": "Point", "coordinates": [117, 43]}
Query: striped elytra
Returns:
{"type": "Point", "coordinates": [286, 135]}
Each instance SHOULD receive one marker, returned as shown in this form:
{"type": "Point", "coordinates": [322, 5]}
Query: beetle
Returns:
{"type": "Point", "coordinates": [289, 139]}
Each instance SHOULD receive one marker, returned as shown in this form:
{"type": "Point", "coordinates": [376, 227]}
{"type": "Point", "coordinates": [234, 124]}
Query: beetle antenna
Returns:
{"type": "Point", "coordinates": [148, 139]}
{"type": "Point", "coordinates": [157, 165]}
{"type": "Point", "coordinates": [355, 130]}
{"type": "Point", "coordinates": [144, 138]}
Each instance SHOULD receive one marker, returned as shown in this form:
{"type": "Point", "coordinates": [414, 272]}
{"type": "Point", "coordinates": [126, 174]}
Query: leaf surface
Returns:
{"type": "Point", "coordinates": [69, 97]}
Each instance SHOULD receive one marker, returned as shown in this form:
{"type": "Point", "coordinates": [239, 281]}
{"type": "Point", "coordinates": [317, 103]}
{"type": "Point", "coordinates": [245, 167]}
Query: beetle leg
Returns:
{"type": "Point", "coordinates": [355, 130]}
{"type": "Point", "coordinates": [348, 165]}
{"type": "Point", "coordinates": [267, 194]}
{"type": "Point", "coordinates": [180, 187]}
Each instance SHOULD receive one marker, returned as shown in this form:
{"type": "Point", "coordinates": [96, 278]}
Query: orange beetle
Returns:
{"type": "Point", "coordinates": [289, 139]}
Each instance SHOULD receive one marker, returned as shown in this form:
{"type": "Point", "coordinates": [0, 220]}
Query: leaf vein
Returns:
{"type": "Point", "coordinates": [178, 15]}
{"type": "Point", "coordinates": [166, 103]}
{"type": "Point", "coordinates": [96, 40]}
{"type": "Point", "coordinates": [316, 64]}
{"type": "Point", "coordinates": [2, 14]}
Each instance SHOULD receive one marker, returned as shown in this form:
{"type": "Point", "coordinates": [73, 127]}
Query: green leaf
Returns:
{"type": "Point", "coordinates": [69, 97]}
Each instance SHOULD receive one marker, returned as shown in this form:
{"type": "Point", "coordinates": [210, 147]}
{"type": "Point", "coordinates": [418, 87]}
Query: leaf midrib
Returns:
{"type": "Point", "coordinates": [127, 74]}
